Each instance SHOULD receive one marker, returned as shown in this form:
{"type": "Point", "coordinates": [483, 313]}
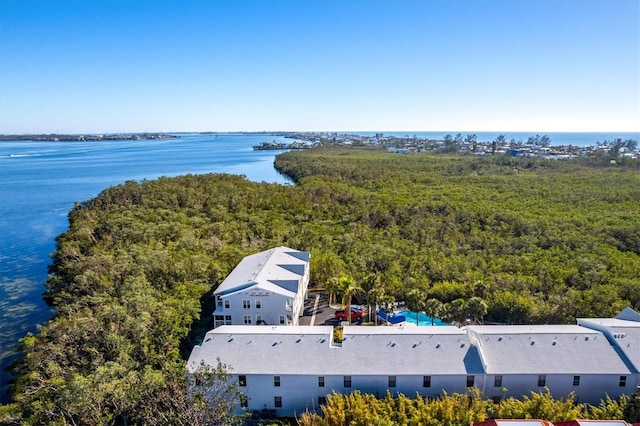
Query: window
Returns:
{"type": "Point", "coordinates": [576, 380]}
{"type": "Point", "coordinates": [281, 319]}
{"type": "Point", "coordinates": [244, 401]}
{"type": "Point", "coordinates": [470, 380]}
{"type": "Point", "coordinates": [227, 304]}
{"type": "Point", "coordinates": [623, 381]}
{"type": "Point", "coordinates": [322, 400]}
{"type": "Point", "coordinates": [320, 381]}
{"type": "Point", "coordinates": [242, 380]}
{"type": "Point", "coordinates": [347, 381]}
{"type": "Point", "coordinates": [246, 304]}
{"type": "Point", "coordinates": [218, 320]}
{"type": "Point", "coordinates": [259, 319]}
{"type": "Point", "coordinates": [258, 304]}
{"type": "Point", "coordinates": [426, 381]}
{"type": "Point", "coordinates": [227, 320]}
{"type": "Point", "coordinates": [247, 319]}
{"type": "Point", "coordinates": [220, 301]}
{"type": "Point", "coordinates": [277, 401]}
{"type": "Point", "coordinates": [392, 381]}
{"type": "Point", "coordinates": [497, 381]}
{"type": "Point", "coordinates": [276, 380]}
{"type": "Point", "coordinates": [542, 380]}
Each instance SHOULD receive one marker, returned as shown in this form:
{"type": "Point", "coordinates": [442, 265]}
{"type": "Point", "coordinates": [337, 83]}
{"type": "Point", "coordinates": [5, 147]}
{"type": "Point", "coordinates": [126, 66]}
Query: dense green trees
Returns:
{"type": "Point", "coordinates": [548, 241]}
{"type": "Point", "coordinates": [455, 410]}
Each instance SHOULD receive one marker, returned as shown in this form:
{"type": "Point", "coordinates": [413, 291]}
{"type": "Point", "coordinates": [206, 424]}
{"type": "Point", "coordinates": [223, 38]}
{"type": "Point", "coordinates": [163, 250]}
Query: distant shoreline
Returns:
{"type": "Point", "coordinates": [86, 137]}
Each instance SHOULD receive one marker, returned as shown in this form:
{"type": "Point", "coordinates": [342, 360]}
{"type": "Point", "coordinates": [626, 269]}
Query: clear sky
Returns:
{"type": "Point", "coordinates": [391, 65]}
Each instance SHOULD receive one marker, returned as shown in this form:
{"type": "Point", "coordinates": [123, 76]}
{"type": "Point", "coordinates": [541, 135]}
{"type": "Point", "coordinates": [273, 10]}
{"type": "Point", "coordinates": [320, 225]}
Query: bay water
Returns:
{"type": "Point", "coordinates": [41, 181]}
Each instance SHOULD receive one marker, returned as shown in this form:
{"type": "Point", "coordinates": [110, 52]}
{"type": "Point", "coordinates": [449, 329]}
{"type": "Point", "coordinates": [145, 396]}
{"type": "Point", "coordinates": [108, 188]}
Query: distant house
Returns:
{"type": "Point", "coordinates": [520, 359]}
{"type": "Point", "coordinates": [264, 288]}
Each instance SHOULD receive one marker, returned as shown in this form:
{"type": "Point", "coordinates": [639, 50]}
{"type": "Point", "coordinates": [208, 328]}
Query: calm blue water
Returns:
{"type": "Point", "coordinates": [422, 318]}
{"type": "Point", "coordinates": [557, 138]}
{"type": "Point", "coordinates": [40, 181]}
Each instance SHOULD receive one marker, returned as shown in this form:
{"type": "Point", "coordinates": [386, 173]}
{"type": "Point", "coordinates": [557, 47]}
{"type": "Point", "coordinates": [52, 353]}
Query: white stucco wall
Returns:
{"type": "Point", "coordinates": [272, 306]}
{"type": "Point", "coordinates": [590, 390]}
{"type": "Point", "coordinates": [301, 393]}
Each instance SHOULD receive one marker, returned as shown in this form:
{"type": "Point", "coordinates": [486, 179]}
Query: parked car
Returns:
{"type": "Point", "coordinates": [355, 313]}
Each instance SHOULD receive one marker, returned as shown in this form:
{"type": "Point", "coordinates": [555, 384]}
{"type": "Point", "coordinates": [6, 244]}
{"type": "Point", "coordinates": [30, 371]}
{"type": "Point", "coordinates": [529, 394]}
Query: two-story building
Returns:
{"type": "Point", "coordinates": [520, 359]}
{"type": "Point", "coordinates": [293, 369]}
{"type": "Point", "coordinates": [266, 288]}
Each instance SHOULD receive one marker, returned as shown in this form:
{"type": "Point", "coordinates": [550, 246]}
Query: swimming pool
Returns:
{"type": "Point", "coordinates": [422, 318]}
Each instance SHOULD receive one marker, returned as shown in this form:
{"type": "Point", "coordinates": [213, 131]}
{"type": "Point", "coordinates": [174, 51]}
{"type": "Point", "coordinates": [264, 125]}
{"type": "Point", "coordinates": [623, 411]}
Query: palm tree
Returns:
{"type": "Point", "coordinates": [388, 301]}
{"type": "Point", "coordinates": [348, 288]}
{"type": "Point", "coordinates": [458, 310]}
{"type": "Point", "coordinates": [332, 286]}
{"type": "Point", "coordinates": [433, 308]}
{"type": "Point", "coordinates": [477, 309]}
{"type": "Point", "coordinates": [415, 302]}
{"type": "Point", "coordinates": [375, 295]}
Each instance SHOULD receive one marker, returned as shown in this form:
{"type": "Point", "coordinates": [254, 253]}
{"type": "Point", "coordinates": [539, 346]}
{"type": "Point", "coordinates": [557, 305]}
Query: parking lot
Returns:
{"type": "Point", "coordinates": [317, 310]}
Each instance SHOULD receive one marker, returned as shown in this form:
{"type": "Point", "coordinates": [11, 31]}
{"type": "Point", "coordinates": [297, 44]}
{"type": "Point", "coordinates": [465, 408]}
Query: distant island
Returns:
{"type": "Point", "coordinates": [86, 138]}
{"type": "Point", "coordinates": [273, 145]}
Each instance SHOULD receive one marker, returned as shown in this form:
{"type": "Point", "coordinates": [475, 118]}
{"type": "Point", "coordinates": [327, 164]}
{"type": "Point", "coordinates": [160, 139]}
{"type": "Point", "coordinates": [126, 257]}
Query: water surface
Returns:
{"type": "Point", "coordinates": [40, 181]}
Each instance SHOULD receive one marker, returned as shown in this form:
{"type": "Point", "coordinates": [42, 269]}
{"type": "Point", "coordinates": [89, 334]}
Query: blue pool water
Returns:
{"type": "Point", "coordinates": [422, 318]}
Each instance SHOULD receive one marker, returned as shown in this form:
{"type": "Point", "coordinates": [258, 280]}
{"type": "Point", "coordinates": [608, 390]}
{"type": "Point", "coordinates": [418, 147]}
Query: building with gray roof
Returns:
{"type": "Point", "coordinates": [264, 288]}
{"type": "Point", "coordinates": [293, 369]}
{"type": "Point", "coordinates": [622, 334]}
{"type": "Point", "coordinates": [520, 359]}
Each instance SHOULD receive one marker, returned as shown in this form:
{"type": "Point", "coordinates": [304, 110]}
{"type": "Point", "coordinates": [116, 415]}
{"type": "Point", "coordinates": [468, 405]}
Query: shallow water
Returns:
{"type": "Point", "coordinates": [40, 181]}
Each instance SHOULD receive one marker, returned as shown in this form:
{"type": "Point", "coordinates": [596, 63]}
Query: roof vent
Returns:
{"type": "Point", "coordinates": [500, 339]}
{"type": "Point", "coordinates": [299, 340]}
{"type": "Point", "coordinates": [462, 345]}
{"type": "Point", "coordinates": [230, 340]}
{"type": "Point", "coordinates": [586, 338]}
{"type": "Point", "coordinates": [437, 345]}
{"type": "Point", "coordinates": [533, 342]}
{"type": "Point", "coordinates": [554, 343]}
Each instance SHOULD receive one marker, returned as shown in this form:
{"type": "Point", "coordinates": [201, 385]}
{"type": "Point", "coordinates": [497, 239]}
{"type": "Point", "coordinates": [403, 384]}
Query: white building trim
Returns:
{"type": "Point", "coordinates": [277, 278]}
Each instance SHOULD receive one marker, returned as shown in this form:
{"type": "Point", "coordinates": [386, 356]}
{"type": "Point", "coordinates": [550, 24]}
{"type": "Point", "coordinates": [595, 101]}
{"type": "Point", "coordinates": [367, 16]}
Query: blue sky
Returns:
{"type": "Point", "coordinates": [192, 65]}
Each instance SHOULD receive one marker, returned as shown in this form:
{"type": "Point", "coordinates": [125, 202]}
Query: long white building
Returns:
{"type": "Point", "coordinates": [293, 369]}
{"type": "Point", "coordinates": [264, 288]}
{"type": "Point", "coordinates": [566, 359]}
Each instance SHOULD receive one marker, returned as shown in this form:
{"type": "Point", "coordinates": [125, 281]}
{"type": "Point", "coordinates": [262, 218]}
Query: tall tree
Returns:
{"type": "Point", "coordinates": [434, 309]}
{"type": "Point", "coordinates": [477, 309]}
{"type": "Point", "coordinates": [415, 300]}
{"type": "Point", "coordinates": [348, 288]}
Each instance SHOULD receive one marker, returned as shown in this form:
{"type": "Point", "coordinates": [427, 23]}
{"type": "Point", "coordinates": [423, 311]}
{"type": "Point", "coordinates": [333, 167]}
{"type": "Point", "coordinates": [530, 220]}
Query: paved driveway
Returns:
{"type": "Point", "coordinates": [317, 310]}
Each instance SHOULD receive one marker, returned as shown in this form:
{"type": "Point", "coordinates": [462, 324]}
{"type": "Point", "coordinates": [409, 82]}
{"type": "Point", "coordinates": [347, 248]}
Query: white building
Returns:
{"type": "Point", "coordinates": [264, 288]}
{"type": "Point", "coordinates": [623, 332]}
{"type": "Point", "coordinates": [293, 369]}
{"type": "Point", "coordinates": [519, 359]}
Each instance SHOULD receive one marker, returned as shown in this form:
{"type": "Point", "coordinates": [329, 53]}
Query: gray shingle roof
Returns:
{"type": "Point", "coordinates": [281, 266]}
{"type": "Point", "coordinates": [364, 350]}
{"type": "Point", "coordinates": [545, 349]}
{"type": "Point", "coordinates": [625, 334]}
